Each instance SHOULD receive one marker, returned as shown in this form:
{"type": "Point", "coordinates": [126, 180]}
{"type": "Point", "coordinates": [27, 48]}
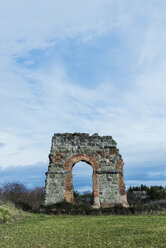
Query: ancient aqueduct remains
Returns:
{"type": "Point", "coordinates": [98, 151]}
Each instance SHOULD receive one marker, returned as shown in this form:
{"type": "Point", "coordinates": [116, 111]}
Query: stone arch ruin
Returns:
{"type": "Point", "coordinates": [98, 151]}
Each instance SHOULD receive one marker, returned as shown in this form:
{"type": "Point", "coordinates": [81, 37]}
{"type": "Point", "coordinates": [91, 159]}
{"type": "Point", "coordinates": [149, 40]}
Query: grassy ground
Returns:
{"type": "Point", "coordinates": [85, 231]}
{"type": "Point", "coordinates": [9, 213]}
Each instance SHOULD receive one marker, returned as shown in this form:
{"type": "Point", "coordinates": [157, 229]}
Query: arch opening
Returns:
{"type": "Point", "coordinates": [82, 182]}
{"type": "Point", "coordinates": [68, 167]}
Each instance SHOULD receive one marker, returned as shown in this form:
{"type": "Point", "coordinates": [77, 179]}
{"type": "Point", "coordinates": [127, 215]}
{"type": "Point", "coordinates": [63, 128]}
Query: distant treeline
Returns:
{"type": "Point", "coordinates": [145, 194]}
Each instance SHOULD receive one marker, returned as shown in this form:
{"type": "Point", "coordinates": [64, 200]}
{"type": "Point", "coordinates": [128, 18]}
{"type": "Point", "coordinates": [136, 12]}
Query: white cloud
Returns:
{"type": "Point", "coordinates": [157, 174]}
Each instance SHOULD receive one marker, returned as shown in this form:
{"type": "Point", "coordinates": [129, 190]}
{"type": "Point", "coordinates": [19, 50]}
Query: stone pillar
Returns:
{"type": "Point", "coordinates": [69, 187]}
{"type": "Point", "coordinates": [121, 184]}
{"type": "Point", "coordinates": [54, 187]}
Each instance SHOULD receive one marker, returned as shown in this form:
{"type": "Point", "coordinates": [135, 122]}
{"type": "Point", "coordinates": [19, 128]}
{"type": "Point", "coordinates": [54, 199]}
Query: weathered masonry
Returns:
{"type": "Point", "coordinates": [98, 151]}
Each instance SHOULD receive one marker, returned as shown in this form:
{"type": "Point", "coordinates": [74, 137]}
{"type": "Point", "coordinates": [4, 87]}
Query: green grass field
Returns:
{"type": "Point", "coordinates": [85, 231]}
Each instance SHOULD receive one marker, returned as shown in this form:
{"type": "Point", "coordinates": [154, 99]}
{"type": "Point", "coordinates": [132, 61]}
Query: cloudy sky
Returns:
{"type": "Point", "coordinates": [82, 66]}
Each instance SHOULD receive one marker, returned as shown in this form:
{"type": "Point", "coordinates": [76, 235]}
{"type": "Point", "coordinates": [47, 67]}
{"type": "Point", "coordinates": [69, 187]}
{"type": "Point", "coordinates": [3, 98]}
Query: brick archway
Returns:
{"type": "Point", "coordinates": [101, 153]}
{"type": "Point", "coordinates": [68, 176]}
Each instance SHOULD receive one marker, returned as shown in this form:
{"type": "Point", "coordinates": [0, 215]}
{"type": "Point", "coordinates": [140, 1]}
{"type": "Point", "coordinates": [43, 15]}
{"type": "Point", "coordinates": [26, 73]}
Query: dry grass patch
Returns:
{"type": "Point", "coordinates": [9, 213]}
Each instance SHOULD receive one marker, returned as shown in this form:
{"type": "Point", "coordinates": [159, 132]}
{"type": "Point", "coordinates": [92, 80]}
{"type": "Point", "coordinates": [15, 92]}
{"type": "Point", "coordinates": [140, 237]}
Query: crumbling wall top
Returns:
{"type": "Point", "coordinates": [85, 136]}
{"type": "Point", "coordinates": [83, 140]}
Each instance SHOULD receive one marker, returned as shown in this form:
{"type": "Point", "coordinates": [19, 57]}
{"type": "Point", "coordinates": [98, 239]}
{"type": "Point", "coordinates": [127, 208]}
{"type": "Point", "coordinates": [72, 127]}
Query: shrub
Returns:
{"type": "Point", "coordinates": [86, 197]}
{"type": "Point", "coordinates": [26, 199]}
{"type": "Point", "coordinates": [3, 215]}
{"type": "Point", "coordinates": [85, 209]}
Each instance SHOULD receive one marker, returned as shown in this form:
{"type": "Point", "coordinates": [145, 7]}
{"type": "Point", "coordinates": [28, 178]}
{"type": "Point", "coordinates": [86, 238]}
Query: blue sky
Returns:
{"type": "Point", "coordinates": [83, 66]}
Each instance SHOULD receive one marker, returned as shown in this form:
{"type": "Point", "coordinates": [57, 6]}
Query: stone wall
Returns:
{"type": "Point", "coordinates": [98, 151]}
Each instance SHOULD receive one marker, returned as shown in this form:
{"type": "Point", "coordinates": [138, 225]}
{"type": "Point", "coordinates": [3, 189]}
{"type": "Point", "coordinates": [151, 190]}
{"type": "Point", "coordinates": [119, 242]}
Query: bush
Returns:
{"type": "Point", "coordinates": [13, 192]}
{"type": "Point", "coordinates": [86, 198]}
{"type": "Point", "coordinates": [85, 209]}
{"type": "Point", "coordinates": [64, 207]}
{"type": "Point", "coordinates": [3, 215]}
{"type": "Point", "coordinates": [26, 199]}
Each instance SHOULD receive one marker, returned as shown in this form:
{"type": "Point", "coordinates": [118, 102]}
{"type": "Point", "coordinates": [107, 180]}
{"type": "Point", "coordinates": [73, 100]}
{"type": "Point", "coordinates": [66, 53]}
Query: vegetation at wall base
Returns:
{"type": "Point", "coordinates": [85, 209]}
